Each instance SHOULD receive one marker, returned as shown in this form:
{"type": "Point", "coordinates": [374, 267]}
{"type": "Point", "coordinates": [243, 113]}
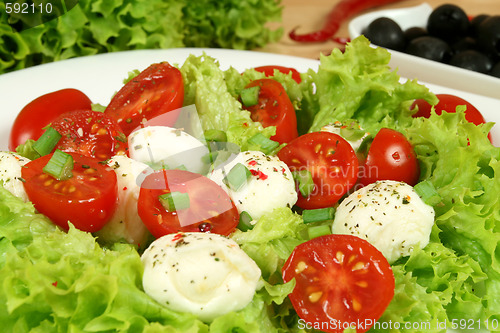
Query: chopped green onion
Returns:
{"type": "Point", "coordinates": [47, 141]}
{"type": "Point", "coordinates": [237, 177]}
{"type": "Point", "coordinates": [174, 201]}
{"type": "Point", "coordinates": [304, 181]}
{"type": "Point", "coordinates": [318, 230]}
{"type": "Point", "coordinates": [245, 223]}
{"type": "Point", "coordinates": [351, 134]}
{"type": "Point", "coordinates": [428, 193]}
{"type": "Point", "coordinates": [215, 135]}
{"type": "Point", "coordinates": [318, 215]}
{"type": "Point", "coordinates": [209, 158]}
{"type": "Point", "coordinates": [60, 165]}
{"type": "Point", "coordinates": [266, 145]}
{"type": "Point", "coordinates": [250, 96]}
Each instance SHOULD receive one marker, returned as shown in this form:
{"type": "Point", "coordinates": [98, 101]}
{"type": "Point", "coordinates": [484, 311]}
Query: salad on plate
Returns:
{"type": "Point", "coordinates": [208, 200]}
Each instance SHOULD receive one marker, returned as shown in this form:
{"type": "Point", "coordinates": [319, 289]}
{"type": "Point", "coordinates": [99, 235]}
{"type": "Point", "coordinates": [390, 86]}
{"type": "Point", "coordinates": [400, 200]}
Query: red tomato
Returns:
{"type": "Point", "coordinates": [87, 200]}
{"type": "Point", "coordinates": [156, 90]}
{"type": "Point", "coordinates": [42, 111]}
{"type": "Point", "coordinates": [449, 103]}
{"type": "Point", "coordinates": [340, 280]}
{"type": "Point", "coordinates": [90, 133]}
{"type": "Point", "coordinates": [210, 208]}
{"type": "Point", "coordinates": [269, 71]}
{"type": "Point", "coordinates": [390, 157]}
{"type": "Point", "coordinates": [331, 161]}
{"type": "Point", "coordinates": [274, 109]}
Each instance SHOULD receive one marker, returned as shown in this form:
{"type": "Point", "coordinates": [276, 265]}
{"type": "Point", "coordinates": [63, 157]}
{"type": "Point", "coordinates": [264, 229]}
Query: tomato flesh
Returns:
{"type": "Point", "coordinates": [274, 108]}
{"type": "Point", "coordinates": [340, 279]}
{"type": "Point", "coordinates": [332, 162]}
{"type": "Point", "coordinates": [210, 208]}
{"type": "Point", "coordinates": [155, 91]}
{"type": "Point", "coordinates": [87, 200]}
{"type": "Point", "coordinates": [390, 157]}
{"type": "Point", "coordinates": [90, 133]}
{"type": "Point", "coordinates": [40, 112]}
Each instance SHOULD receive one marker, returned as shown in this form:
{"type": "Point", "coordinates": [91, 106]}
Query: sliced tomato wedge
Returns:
{"type": "Point", "coordinates": [390, 157]}
{"type": "Point", "coordinates": [332, 162]}
{"type": "Point", "coordinates": [90, 133]}
{"type": "Point", "coordinates": [87, 200]}
{"type": "Point", "coordinates": [269, 71]}
{"type": "Point", "coordinates": [155, 91]}
{"type": "Point", "coordinates": [42, 111]}
{"type": "Point", "coordinates": [341, 281]}
{"type": "Point", "coordinates": [274, 108]}
{"type": "Point", "coordinates": [210, 208]}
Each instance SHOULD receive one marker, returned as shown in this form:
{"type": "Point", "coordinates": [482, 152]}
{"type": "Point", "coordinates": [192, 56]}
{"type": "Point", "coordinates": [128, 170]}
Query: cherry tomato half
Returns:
{"type": "Point", "coordinates": [339, 279]}
{"type": "Point", "coordinates": [156, 90]}
{"type": "Point", "coordinates": [87, 200]}
{"type": "Point", "coordinates": [330, 159]}
{"type": "Point", "coordinates": [210, 209]}
{"type": "Point", "coordinates": [90, 133]}
{"type": "Point", "coordinates": [269, 71]}
{"type": "Point", "coordinates": [449, 103]}
{"type": "Point", "coordinates": [390, 157]}
{"type": "Point", "coordinates": [42, 111]}
{"type": "Point", "coordinates": [274, 108]}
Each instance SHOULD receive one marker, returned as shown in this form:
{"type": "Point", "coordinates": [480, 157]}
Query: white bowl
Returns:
{"type": "Point", "coordinates": [423, 69]}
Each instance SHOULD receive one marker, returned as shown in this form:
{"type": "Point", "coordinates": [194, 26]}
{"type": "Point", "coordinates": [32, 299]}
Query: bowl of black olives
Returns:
{"type": "Point", "coordinates": [439, 45]}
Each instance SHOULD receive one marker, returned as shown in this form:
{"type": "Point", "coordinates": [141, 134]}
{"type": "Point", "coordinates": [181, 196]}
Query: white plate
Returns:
{"type": "Point", "coordinates": [424, 69]}
{"type": "Point", "coordinates": [100, 76]}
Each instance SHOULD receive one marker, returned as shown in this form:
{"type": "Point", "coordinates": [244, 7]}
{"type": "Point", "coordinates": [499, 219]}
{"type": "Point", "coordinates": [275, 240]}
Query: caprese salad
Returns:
{"type": "Point", "coordinates": [266, 201]}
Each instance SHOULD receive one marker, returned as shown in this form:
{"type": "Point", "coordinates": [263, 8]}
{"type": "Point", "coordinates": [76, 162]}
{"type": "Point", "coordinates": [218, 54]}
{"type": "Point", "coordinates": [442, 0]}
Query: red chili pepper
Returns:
{"type": "Point", "coordinates": [340, 12]}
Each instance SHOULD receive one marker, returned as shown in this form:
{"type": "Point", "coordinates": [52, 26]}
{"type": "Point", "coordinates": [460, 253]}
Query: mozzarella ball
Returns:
{"type": "Point", "coordinates": [125, 224]}
{"type": "Point", "coordinates": [336, 127]}
{"type": "Point", "coordinates": [10, 173]}
{"type": "Point", "coordinates": [162, 145]}
{"type": "Point", "coordinates": [388, 214]}
{"type": "Point", "coordinates": [201, 273]}
{"type": "Point", "coordinates": [270, 185]}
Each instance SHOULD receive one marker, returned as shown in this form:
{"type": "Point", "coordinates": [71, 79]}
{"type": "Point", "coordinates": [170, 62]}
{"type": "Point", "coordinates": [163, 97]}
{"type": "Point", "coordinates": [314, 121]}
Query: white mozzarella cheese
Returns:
{"type": "Point", "coordinates": [270, 185]}
{"type": "Point", "coordinates": [201, 273]}
{"type": "Point", "coordinates": [336, 128]}
{"type": "Point", "coordinates": [388, 214]}
{"type": "Point", "coordinates": [157, 145]}
{"type": "Point", "coordinates": [10, 173]}
{"type": "Point", "coordinates": [126, 223]}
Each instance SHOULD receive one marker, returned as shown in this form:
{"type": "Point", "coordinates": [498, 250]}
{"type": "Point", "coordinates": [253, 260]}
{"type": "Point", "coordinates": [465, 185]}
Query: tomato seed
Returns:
{"type": "Point", "coordinates": [316, 296]}
{"type": "Point", "coordinates": [340, 257]}
{"type": "Point", "coordinates": [356, 305]}
{"type": "Point", "coordinates": [358, 266]}
{"type": "Point", "coordinates": [301, 266]}
{"type": "Point", "coordinates": [317, 148]}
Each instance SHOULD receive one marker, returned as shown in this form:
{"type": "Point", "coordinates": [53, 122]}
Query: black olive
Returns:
{"type": "Point", "coordinates": [448, 22]}
{"type": "Point", "coordinates": [466, 43]}
{"type": "Point", "coordinates": [415, 32]}
{"type": "Point", "coordinates": [472, 60]}
{"type": "Point", "coordinates": [488, 37]}
{"type": "Point", "coordinates": [495, 71]}
{"type": "Point", "coordinates": [475, 22]}
{"type": "Point", "coordinates": [387, 33]}
{"type": "Point", "coordinates": [430, 48]}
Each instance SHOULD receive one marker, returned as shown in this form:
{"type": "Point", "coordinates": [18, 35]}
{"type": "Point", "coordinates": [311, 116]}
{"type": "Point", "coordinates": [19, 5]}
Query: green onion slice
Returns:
{"type": "Point", "coordinates": [60, 165]}
{"type": "Point", "coordinates": [250, 96]}
{"type": "Point", "coordinates": [245, 223]}
{"type": "Point", "coordinates": [215, 135]}
{"type": "Point", "coordinates": [47, 141]}
{"type": "Point", "coordinates": [266, 145]}
{"type": "Point", "coordinates": [304, 180]}
{"type": "Point", "coordinates": [318, 215]}
{"type": "Point", "coordinates": [428, 193]}
{"type": "Point", "coordinates": [319, 230]}
{"type": "Point", "coordinates": [174, 201]}
{"type": "Point", "coordinates": [237, 177]}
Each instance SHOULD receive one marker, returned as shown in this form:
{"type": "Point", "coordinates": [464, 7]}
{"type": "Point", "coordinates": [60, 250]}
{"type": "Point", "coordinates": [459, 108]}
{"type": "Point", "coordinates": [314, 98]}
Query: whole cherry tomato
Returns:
{"type": "Point", "coordinates": [390, 157]}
